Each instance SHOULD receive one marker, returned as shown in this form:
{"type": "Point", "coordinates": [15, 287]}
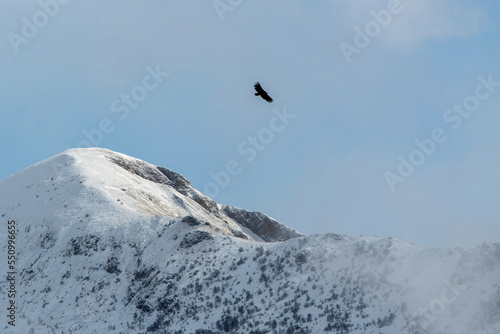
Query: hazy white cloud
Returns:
{"type": "Point", "coordinates": [417, 20]}
{"type": "Point", "coordinates": [427, 19]}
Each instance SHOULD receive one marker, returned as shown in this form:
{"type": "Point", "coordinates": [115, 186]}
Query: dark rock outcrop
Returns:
{"type": "Point", "coordinates": [168, 177]}
{"type": "Point", "coordinates": [195, 237]}
{"type": "Point", "coordinates": [264, 226]}
{"type": "Point", "coordinates": [191, 221]}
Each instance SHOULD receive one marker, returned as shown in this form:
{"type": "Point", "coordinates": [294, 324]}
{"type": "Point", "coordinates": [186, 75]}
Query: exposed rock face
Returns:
{"type": "Point", "coordinates": [264, 226]}
{"type": "Point", "coordinates": [142, 169]}
{"type": "Point", "coordinates": [195, 237]}
{"type": "Point", "coordinates": [167, 176]}
{"type": "Point", "coordinates": [191, 221]}
{"type": "Point", "coordinates": [182, 185]}
{"type": "Point", "coordinates": [179, 181]}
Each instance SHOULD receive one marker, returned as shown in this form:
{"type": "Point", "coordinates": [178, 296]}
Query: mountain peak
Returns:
{"type": "Point", "coordinates": [107, 243]}
{"type": "Point", "coordinates": [102, 180]}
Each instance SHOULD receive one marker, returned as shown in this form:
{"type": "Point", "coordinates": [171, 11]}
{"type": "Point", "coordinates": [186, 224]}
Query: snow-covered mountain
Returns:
{"type": "Point", "coordinates": [107, 243]}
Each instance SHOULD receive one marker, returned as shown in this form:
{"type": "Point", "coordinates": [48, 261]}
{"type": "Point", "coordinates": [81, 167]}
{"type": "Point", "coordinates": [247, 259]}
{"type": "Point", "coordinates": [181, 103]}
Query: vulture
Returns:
{"type": "Point", "coordinates": [262, 93]}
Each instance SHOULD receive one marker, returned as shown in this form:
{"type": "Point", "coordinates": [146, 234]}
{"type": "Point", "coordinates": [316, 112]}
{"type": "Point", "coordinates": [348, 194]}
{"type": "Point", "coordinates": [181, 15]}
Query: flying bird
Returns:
{"type": "Point", "coordinates": [262, 93]}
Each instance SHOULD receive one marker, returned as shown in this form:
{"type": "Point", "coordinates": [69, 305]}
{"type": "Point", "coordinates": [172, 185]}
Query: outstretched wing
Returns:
{"type": "Point", "coordinates": [262, 92]}
{"type": "Point", "coordinates": [266, 97]}
{"type": "Point", "coordinates": [258, 88]}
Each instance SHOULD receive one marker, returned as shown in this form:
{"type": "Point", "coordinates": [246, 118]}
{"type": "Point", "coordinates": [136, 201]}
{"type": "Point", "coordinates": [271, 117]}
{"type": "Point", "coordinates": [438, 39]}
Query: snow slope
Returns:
{"type": "Point", "coordinates": [111, 244]}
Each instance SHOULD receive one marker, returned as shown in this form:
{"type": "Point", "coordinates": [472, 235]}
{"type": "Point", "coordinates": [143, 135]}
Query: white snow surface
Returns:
{"type": "Point", "coordinates": [107, 243]}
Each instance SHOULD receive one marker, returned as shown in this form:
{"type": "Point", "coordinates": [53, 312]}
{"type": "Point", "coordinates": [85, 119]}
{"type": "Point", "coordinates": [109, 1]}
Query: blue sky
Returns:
{"type": "Point", "coordinates": [67, 66]}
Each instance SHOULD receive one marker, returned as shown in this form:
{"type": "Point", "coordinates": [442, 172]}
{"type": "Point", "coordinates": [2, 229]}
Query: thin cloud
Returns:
{"type": "Point", "coordinates": [418, 21]}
